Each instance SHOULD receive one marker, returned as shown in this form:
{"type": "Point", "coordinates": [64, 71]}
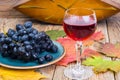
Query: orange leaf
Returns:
{"type": "Point", "coordinates": [90, 53]}
{"type": "Point", "coordinates": [112, 50]}
{"type": "Point", "coordinates": [95, 37]}
{"type": "Point", "coordinates": [69, 46]}
{"type": "Point", "coordinates": [70, 56]}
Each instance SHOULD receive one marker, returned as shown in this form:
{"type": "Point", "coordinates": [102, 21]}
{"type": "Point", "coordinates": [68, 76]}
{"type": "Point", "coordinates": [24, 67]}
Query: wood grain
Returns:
{"type": "Point", "coordinates": [114, 31]}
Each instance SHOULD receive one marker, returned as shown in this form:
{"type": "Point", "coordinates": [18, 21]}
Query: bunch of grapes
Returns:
{"type": "Point", "coordinates": [26, 43]}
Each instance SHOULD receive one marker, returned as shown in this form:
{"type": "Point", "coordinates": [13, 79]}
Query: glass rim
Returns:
{"type": "Point", "coordinates": [90, 9]}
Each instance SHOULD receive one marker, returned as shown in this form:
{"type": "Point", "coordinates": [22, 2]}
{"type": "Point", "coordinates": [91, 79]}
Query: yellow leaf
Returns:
{"type": "Point", "coordinates": [52, 11]}
{"type": "Point", "coordinates": [10, 74]}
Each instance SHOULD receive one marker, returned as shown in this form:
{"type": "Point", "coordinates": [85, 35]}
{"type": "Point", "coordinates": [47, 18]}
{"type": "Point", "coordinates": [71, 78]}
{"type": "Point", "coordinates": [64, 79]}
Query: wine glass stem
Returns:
{"type": "Point", "coordinates": [78, 47]}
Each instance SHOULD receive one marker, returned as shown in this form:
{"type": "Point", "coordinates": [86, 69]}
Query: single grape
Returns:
{"type": "Point", "coordinates": [53, 49]}
{"type": "Point", "coordinates": [31, 36]}
{"type": "Point", "coordinates": [24, 38]}
{"type": "Point", "coordinates": [8, 40]}
{"type": "Point", "coordinates": [34, 56]}
{"type": "Point", "coordinates": [28, 47]}
{"type": "Point", "coordinates": [11, 32]}
{"type": "Point", "coordinates": [48, 57]}
{"type": "Point", "coordinates": [29, 30]}
{"type": "Point", "coordinates": [21, 50]}
{"type": "Point", "coordinates": [2, 35]}
{"type": "Point", "coordinates": [19, 27]}
{"type": "Point", "coordinates": [26, 57]}
{"type": "Point", "coordinates": [2, 40]}
{"type": "Point", "coordinates": [28, 24]}
{"type": "Point", "coordinates": [21, 32]}
{"type": "Point", "coordinates": [26, 43]}
{"type": "Point", "coordinates": [33, 42]}
{"type": "Point", "coordinates": [12, 45]}
{"type": "Point", "coordinates": [41, 60]}
{"type": "Point", "coordinates": [15, 37]}
{"type": "Point", "coordinates": [35, 31]}
{"type": "Point", "coordinates": [4, 47]}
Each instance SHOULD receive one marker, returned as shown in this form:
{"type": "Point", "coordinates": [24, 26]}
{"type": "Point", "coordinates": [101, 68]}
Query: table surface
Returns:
{"type": "Point", "coordinates": [110, 27]}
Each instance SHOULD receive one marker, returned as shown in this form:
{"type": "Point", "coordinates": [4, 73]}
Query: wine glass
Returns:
{"type": "Point", "coordinates": [79, 24]}
{"type": "Point", "coordinates": [6, 5]}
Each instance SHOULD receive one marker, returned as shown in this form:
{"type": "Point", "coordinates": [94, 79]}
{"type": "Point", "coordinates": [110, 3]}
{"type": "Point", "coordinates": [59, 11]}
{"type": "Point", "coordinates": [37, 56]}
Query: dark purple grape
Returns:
{"type": "Point", "coordinates": [8, 40]}
{"type": "Point", "coordinates": [31, 36]}
{"type": "Point", "coordinates": [15, 37]}
{"type": "Point", "coordinates": [54, 49]}
{"type": "Point", "coordinates": [21, 32]}
{"type": "Point", "coordinates": [5, 47]}
{"type": "Point", "coordinates": [24, 38]}
{"type": "Point", "coordinates": [34, 56]}
{"type": "Point", "coordinates": [12, 45]}
{"type": "Point", "coordinates": [28, 47]}
{"type": "Point", "coordinates": [2, 35]}
{"type": "Point", "coordinates": [41, 60]}
{"type": "Point", "coordinates": [48, 57]}
{"type": "Point", "coordinates": [28, 24]}
{"type": "Point", "coordinates": [26, 57]}
{"type": "Point", "coordinates": [35, 31]}
{"type": "Point", "coordinates": [2, 40]}
{"type": "Point", "coordinates": [26, 43]}
{"type": "Point", "coordinates": [11, 32]}
{"type": "Point", "coordinates": [21, 50]}
{"type": "Point", "coordinates": [19, 27]}
{"type": "Point", "coordinates": [29, 30]}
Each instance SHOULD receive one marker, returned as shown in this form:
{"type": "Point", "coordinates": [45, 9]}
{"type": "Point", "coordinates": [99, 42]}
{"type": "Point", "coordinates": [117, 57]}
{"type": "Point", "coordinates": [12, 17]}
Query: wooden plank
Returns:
{"type": "Point", "coordinates": [12, 14]}
{"type": "Point", "coordinates": [114, 31]}
{"type": "Point", "coordinates": [108, 75]}
{"type": "Point", "coordinates": [115, 3]}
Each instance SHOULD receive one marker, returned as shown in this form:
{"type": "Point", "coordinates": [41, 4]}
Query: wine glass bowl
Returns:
{"type": "Point", "coordinates": [79, 24]}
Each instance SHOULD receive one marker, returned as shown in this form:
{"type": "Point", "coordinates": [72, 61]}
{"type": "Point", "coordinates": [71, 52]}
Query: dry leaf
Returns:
{"type": "Point", "coordinates": [52, 11]}
{"type": "Point", "coordinates": [112, 50]}
{"type": "Point", "coordinates": [10, 74]}
{"type": "Point", "coordinates": [69, 46]}
{"type": "Point", "coordinates": [95, 37]}
{"type": "Point", "coordinates": [70, 56]}
{"type": "Point", "coordinates": [98, 63]}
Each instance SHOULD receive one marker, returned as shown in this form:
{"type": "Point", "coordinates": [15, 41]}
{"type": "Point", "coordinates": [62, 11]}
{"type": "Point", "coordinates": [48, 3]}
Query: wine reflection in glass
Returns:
{"type": "Point", "coordinates": [79, 24]}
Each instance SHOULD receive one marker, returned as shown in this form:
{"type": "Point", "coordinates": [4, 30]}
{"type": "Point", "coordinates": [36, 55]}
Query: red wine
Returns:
{"type": "Point", "coordinates": [79, 30]}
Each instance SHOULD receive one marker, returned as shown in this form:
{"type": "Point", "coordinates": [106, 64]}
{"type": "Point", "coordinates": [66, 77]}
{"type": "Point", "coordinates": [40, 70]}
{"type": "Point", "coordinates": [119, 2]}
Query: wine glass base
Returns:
{"type": "Point", "coordinates": [73, 72]}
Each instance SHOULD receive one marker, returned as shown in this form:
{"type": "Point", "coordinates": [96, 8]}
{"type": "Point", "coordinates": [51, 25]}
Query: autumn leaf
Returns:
{"type": "Point", "coordinates": [70, 56]}
{"type": "Point", "coordinates": [95, 37]}
{"type": "Point", "coordinates": [54, 34]}
{"type": "Point", "coordinates": [102, 65]}
{"type": "Point", "coordinates": [90, 53]}
{"type": "Point", "coordinates": [111, 50]}
{"type": "Point", "coordinates": [69, 46]}
{"type": "Point", "coordinates": [10, 74]}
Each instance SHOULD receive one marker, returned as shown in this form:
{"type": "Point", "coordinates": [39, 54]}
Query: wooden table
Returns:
{"type": "Point", "coordinates": [110, 27]}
